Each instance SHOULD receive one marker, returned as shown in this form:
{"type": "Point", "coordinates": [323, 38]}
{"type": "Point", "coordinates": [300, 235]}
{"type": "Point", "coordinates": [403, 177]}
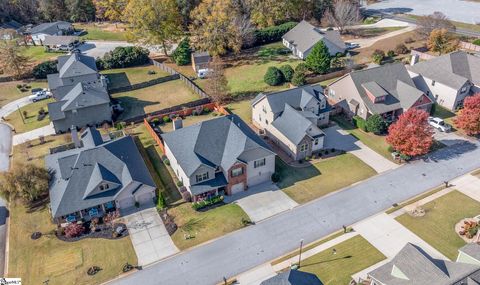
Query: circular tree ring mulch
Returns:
{"type": "Point", "coordinates": [36, 235]}
{"type": "Point", "coordinates": [93, 270]}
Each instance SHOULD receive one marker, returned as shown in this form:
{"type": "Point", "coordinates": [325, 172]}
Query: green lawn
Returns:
{"type": "Point", "coordinates": [460, 25]}
{"type": "Point", "coordinates": [10, 91]}
{"type": "Point", "coordinates": [34, 152]}
{"type": "Point", "coordinates": [243, 109]}
{"type": "Point", "coordinates": [245, 78]}
{"type": "Point", "coordinates": [204, 226]}
{"type": "Point", "coordinates": [377, 143]}
{"type": "Point", "coordinates": [122, 77]}
{"type": "Point", "coordinates": [352, 256]}
{"type": "Point", "coordinates": [38, 54]}
{"type": "Point", "coordinates": [308, 183]}
{"type": "Point", "coordinates": [96, 32]}
{"type": "Point", "coordinates": [60, 262]}
{"type": "Point", "coordinates": [189, 120]}
{"type": "Point", "coordinates": [31, 121]}
{"type": "Point", "coordinates": [441, 215]}
{"type": "Point", "coordinates": [154, 98]}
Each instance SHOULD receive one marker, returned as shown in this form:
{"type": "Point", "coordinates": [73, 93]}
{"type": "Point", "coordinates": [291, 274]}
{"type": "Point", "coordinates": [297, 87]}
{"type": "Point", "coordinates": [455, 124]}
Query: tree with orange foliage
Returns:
{"type": "Point", "coordinates": [411, 134]}
{"type": "Point", "coordinates": [469, 117]}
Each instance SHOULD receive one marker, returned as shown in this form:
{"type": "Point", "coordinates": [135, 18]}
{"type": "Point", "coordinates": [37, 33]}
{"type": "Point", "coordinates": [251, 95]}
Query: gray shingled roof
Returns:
{"type": "Point", "coordinates": [304, 36]}
{"type": "Point", "coordinates": [413, 266]}
{"type": "Point", "coordinates": [471, 249]}
{"type": "Point", "coordinates": [293, 277]}
{"type": "Point", "coordinates": [77, 172]}
{"type": "Point", "coordinates": [208, 185]}
{"type": "Point", "coordinates": [294, 126]}
{"type": "Point", "coordinates": [296, 97]}
{"type": "Point", "coordinates": [453, 69]}
{"type": "Point", "coordinates": [201, 57]}
{"type": "Point", "coordinates": [81, 96]}
{"type": "Point", "coordinates": [50, 28]}
{"type": "Point", "coordinates": [392, 79]}
{"type": "Point", "coordinates": [76, 64]}
{"type": "Point", "coordinates": [216, 142]}
{"type": "Point", "coordinates": [13, 25]}
{"type": "Point", "coordinates": [59, 40]}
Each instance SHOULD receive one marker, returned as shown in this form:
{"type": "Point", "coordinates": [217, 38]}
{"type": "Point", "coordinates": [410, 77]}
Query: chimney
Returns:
{"type": "Point", "coordinates": [177, 123]}
{"type": "Point", "coordinates": [414, 59]}
{"type": "Point", "coordinates": [75, 138]}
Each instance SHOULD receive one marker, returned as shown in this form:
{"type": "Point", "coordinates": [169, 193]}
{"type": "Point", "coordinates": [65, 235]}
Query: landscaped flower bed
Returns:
{"type": "Point", "coordinates": [101, 231]}
{"type": "Point", "coordinates": [207, 202]}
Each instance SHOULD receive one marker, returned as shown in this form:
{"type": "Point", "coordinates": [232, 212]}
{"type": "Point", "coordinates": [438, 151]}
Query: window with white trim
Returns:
{"type": "Point", "coordinates": [237, 172]}
{"type": "Point", "coordinates": [316, 141]}
{"type": "Point", "coordinates": [303, 147]}
{"type": "Point", "coordinates": [259, 163]}
{"type": "Point", "coordinates": [201, 177]}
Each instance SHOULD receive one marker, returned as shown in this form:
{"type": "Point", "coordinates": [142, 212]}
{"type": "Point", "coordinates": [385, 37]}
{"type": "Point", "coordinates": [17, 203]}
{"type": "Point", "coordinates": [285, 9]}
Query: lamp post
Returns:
{"type": "Point", "coordinates": [300, 254]}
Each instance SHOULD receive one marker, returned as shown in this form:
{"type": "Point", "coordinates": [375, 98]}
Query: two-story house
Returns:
{"type": "Point", "coordinates": [449, 78]}
{"type": "Point", "coordinates": [385, 90]}
{"type": "Point", "coordinates": [97, 177]}
{"type": "Point", "coordinates": [218, 156]}
{"type": "Point", "coordinates": [80, 93]}
{"type": "Point", "coordinates": [292, 119]}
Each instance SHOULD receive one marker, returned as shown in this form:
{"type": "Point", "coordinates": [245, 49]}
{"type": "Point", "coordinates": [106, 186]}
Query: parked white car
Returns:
{"type": "Point", "coordinates": [39, 95]}
{"type": "Point", "coordinates": [202, 73]}
{"type": "Point", "coordinates": [351, 45]}
{"type": "Point", "coordinates": [439, 124]}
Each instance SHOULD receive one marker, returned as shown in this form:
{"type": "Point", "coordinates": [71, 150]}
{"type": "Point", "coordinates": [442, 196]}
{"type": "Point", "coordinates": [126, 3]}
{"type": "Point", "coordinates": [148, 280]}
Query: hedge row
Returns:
{"type": "Point", "coordinates": [205, 203]}
{"type": "Point", "coordinates": [122, 57]}
{"type": "Point", "coordinates": [273, 33]}
{"type": "Point", "coordinates": [360, 123]}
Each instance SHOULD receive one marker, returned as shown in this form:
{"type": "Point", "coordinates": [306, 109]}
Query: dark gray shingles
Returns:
{"type": "Point", "coordinates": [50, 28]}
{"type": "Point", "coordinates": [296, 97]}
{"type": "Point", "coordinates": [59, 40]}
{"type": "Point", "coordinates": [83, 95]}
{"type": "Point", "coordinates": [471, 249]}
{"type": "Point", "coordinates": [212, 184]}
{"type": "Point", "coordinates": [293, 277]}
{"type": "Point", "coordinates": [76, 64]}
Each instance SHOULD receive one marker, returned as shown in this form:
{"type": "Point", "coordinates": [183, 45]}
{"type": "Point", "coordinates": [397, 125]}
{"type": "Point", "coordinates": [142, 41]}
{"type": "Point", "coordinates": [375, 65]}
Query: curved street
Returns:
{"type": "Point", "coordinates": [255, 245]}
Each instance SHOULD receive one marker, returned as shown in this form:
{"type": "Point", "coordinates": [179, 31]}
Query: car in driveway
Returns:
{"type": "Point", "coordinates": [352, 45]}
{"type": "Point", "coordinates": [439, 124]}
{"type": "Point", "coordinates": [39, 94]}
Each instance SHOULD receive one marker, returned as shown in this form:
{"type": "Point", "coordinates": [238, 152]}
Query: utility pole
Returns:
{"type": "Point", "coordinates": [300, 255]}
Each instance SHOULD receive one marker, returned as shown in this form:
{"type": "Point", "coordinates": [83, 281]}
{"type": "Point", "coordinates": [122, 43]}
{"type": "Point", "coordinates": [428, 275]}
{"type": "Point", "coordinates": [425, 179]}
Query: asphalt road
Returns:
{"type": "Point", "coordinates": [255, 245]}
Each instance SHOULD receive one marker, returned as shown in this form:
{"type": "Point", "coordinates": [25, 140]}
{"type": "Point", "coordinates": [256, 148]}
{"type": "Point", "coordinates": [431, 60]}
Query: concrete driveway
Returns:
{"type": "Point", "coordinates": [100, 48]}
{"type": "Point", "coordinates": [149, 236]}
{"type": "Point", "coordinates": [262, 201]}
{"type": "Point", "coordinates": [5, 146]}
{"type": "Point", "coordinates": [338, 138]}
{"type": "Point", "coordinates": [33, 134]}
{"type": "Point", "coordinates": [449, 138]}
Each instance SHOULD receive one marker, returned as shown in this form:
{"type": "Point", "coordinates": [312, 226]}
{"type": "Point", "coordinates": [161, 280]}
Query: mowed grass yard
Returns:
{"type": "Point", "coordinates": [30, 122]}
{"type": "Point", "coordinates": [34, 152]}
{"type": "Point", "coordinates": [243, 109]}
{"type": "Point", "coordinates": [141, 101]}
{"type": "Point", "coordinates": [9, 91]}
{"type": "Point", "coordinates": [353, 255]}
{"type": "Point", "coordinates": [102, 32]}
{"type": "Point", "coordinates": [124, 77]}
{"type": "Point", "coordinates": [49, 258]}
{"type": "Point", "coordinates": [375, 142]}
{"type": "Point", "coordinates": [437, 227]}
{"type": "Point", "coordinates": [304, 184]}
{"type": "Point", "coordinates": [38, 54]}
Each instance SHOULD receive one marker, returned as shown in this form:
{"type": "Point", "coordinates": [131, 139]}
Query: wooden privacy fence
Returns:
{"type": "Point", "coordinates": [144, 84]}
{"type": "Point", "coordinates": [422, 54]}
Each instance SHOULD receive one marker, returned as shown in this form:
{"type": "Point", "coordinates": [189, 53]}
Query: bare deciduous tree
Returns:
{"type": "Point", "coordinates": [217, 87]}
{"type": "Point", "coordinates": [11, 59]}
{"type": "Point", "coordinates": [343, 13]}
{"type": "Point", "coordinates": [437, 20]}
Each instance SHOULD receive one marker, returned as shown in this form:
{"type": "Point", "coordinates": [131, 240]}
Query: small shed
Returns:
{"type": "Point", "coordinates": [200, 60]}
{"type": "Point", "coordinates": [60, 43]}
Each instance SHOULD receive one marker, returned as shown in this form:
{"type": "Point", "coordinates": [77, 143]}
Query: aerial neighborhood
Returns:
{"type": "Point", "coordinates": [240, 142]}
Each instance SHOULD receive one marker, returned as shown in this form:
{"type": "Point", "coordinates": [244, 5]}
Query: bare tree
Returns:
{"type": "Point", "coordinates": [12, 61]}
{"type": "Point", "coordinates": [245, 30]}
{"type": "Point", "coordinates": [343, 13]}
{"type": "Point", "coordinates": [217, 87]}
{"type": "Point", "coordinates": [437, 20]}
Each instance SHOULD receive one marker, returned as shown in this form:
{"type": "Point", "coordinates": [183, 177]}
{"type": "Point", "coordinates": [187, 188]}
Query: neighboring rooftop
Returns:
{"type": "Point", "coordinates": [304, 36]}
{"type": "Point", "coordinates": [453, 69]}
{"type": "Point", "coordinates": [413, 266]}
{"type": "Point", "coordinates": [201, 57]}
{"type": "Point", "coordinates": [59, 40]}
{"type": "Point", "coordinates": [50, 28]}
{"type": "Point", "coordinates": [293, 277]}
{"type": "Point", "coordinates": [297, 97]}
{"type": "Point", "coordinates": [217, 142]}
{"type": "Point", "coordinates": [12, 25]}
{"type": "Point", "coordinates": [78, 172]}
{"type": "Point", "coordinates": [389, 80]}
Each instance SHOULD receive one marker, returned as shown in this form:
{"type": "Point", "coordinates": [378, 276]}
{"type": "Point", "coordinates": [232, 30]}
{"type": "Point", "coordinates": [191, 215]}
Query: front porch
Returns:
{"type": "Point", "coordinates": [88, 214]}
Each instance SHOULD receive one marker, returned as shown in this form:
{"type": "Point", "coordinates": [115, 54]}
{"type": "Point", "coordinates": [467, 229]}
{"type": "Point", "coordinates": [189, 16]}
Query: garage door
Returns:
{"type": "Point", "coordinates": [237, 188]}
{"type": "Point", "coordinates": [260, 178]}
{"type": "Point", "coordinates": [127, 202]}
{"type": "Point", "coordinates": [144, 198]}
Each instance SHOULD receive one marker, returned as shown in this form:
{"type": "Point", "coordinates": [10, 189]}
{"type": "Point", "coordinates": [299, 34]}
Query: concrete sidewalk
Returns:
{"type": "Point", "coordinates": [34, 134]}
{"type": "Point", "coordinates": [5, 146]}
{"type": "Point", "coordinates": [468, 185]}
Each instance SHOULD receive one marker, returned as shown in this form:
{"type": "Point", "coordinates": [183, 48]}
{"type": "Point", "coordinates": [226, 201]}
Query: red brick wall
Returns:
{"type": "Point", "coordinates": [238, 179]}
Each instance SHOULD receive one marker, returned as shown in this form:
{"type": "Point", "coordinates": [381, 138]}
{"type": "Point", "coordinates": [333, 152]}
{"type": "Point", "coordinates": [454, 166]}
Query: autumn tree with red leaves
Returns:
{"type": "Point", "coordinates": [469, 117]}
{"type": "Point", "coordinates": [74, 230]}
{"type": "Point", "coordinates": [411, 134]}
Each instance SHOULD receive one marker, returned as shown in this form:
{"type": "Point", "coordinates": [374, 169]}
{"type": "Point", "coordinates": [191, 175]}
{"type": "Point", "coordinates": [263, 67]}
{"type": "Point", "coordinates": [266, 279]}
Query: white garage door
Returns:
{"type": "Point", "coordinates": [127, 202]}
{"type": "Point", "coordinates": [260, 178]}
{"type": "Point", "coordinates": [237, 188]}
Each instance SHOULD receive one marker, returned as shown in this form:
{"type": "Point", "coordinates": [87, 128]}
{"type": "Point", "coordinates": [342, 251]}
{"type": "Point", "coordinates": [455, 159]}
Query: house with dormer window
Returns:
{"type": "Point", "coordinates": [292, 119]}
{"type": "Point", "coordinates": [97, 177]}
{"type": "Point", "coordinates": [218, 156]}
{"type": "Point", "coordinates": [385, 90]}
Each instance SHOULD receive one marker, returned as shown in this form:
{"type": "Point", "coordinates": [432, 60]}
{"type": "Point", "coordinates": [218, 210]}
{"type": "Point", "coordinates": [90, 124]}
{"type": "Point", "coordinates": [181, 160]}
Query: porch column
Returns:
{"type": "Point", "coordinates": [103, 208]}
{"type": "Point", "coordinates": [81, 216]}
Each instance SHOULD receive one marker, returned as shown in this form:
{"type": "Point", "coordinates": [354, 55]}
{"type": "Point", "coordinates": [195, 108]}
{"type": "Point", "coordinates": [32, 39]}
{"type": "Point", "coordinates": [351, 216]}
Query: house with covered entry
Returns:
{"type": "Point", "coordinates": [38, 33]}
{"type": "Point", "coordinates": [96, 177]}
{"type": "Point", "coordinates": [449, 78]}
{"type": "Point", "coordinates": [218, 156]}
{"type": "Point", "coordinates": [385, 90]}
{"type": "Point", "coordinates": [80, 92]}
{"type": "Point", "coordinates": [292, 119]}
{"type": "Point", "coordinates": [301, 39]}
